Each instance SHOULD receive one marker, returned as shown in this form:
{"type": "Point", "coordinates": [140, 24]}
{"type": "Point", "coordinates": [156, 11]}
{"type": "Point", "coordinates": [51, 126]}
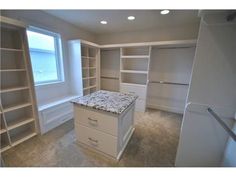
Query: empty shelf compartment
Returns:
{"type": "Point", "coordinates": [92, 82]}
{"type": "Point", "coordinates": [84, 51]}
{"type": "Point", "coordinates": [92, 52]}
{"type": "Point", "coordinates": [19, 117]}
{"type": "Point", "coordinates": [4, 141]}
{"type": "Point", "coordinates": [134, 78]}
{"type": "Point", "coordinates": [135, 64]}
{"type": "Point", "coordinates": [85, 62]}
{"type": "Point", "coordinates": [135, 51]}
{"type": "Point", "coordinates": [22, 133]}
{"type": "Point", "coordinates": [85, 83]}
{"type": "Point", "coordinates": [2, 125]}
{"type": "Point", "coordinates": [85, 73]}
{"type": "Point", "coordinates": [92, 63]}
{"type": "Point", "coordinates": [94, 89]}
{"type": "Point", "coordinates": [12, 60]}
{"type": "Point", "coordinates": [86, 92]}
{"type": "Point", "coordinates": [92, 73]}
{"type": "Point", "coordinates": [13, 100]}
{"type": "Point", "coordinates": [13, 79]}
{"type": "Point", "coordinates": [10, 38]}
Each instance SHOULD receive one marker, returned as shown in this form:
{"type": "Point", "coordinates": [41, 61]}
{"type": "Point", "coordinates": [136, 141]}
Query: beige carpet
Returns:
{"type": "Point", "coordinates": [153, 144]}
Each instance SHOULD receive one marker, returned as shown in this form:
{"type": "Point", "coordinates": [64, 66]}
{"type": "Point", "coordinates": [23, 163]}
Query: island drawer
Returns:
{"type": "Point", "coordinates": [105, 122]}
{"type": "Point", "coordinates": [96, 139]}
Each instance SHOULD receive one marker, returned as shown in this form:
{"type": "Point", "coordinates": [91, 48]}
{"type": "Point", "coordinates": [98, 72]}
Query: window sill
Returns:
{"type": "Point", "coordinates": [49, 84]}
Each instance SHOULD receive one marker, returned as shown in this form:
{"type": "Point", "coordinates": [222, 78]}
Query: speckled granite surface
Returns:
{"type": "Point", "coordinates": [114, 102]}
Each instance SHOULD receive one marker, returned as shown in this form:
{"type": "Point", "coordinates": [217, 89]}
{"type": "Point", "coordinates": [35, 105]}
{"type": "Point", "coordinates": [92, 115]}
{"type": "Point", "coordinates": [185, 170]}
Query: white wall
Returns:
{"type": "Point", "coordinates": [170, 65]}
{"type": "Point", "coordinates": [67, 31]}
{"type": "Point", "coordinates": [203, 140]}
{"type": "Point", "coordinates": [181, 32]}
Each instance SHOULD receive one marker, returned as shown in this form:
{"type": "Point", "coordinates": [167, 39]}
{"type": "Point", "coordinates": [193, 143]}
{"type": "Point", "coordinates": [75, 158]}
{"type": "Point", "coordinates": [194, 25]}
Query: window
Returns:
{"type": "Point", "coordinates": [46, 56]}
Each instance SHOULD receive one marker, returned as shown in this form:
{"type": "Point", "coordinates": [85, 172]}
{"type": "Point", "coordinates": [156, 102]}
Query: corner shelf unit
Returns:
{"type": "Point", "coordinates": [134, 70]}
{"type": "Point", "coordinates": [17, 104]}
{"type": "Point", "coordinates": [85, 66]}
{"type": "Point", "coordinates": [126, 67]}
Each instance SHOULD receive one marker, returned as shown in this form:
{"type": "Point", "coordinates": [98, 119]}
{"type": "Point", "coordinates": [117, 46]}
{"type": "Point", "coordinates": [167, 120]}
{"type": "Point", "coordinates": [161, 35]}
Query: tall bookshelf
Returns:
{"type": "Point", "coordinates": [89, 68]}
{"type": "Point", "coordinates": [17, 105]}
{"type": "Point", "coordinates": [85, 66]}
{"type": "Point", "coordinates": [134, 70]}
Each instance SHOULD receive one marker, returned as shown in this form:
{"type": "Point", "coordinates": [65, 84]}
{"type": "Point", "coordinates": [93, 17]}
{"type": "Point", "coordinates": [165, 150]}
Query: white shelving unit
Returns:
{"type": "Point", "coordinates": [85, 66]}
{"type": "Point", "coordinates": [17, 106]}
{"type": "Point", "coordinates": [134, 69]}
{"type": "Point", "coordinates": [126, 67]}
{"type": "Point", "coordinates": [89, 67]}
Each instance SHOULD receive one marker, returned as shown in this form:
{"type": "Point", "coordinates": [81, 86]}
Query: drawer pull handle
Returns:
{"type": "Point", "coordinates": [94, 120]}
{"type": "Point", "coordinates": [93, 140]}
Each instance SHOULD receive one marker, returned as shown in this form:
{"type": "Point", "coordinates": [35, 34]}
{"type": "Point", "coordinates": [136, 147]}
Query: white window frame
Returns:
{"type": "Point", "coordinates": [58, 55]}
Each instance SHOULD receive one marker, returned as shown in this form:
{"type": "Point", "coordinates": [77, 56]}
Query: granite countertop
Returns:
{"type": "Point", "coordinates": [114, 102]}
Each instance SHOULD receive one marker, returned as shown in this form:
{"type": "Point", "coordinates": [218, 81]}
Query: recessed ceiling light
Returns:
{"type": "Point", "coordinates": [164, 12]}
{"type": "Point", "coordinates": [131, 17]}
{"type": "Point", "coordinates": [103, 22]}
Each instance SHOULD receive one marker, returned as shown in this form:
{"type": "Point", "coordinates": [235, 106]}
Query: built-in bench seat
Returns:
{"type": "Point", "coordinates": [55, 112]}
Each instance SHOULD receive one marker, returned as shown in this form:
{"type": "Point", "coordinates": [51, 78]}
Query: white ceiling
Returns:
{"type": "Point", "coordinates": [117, 19]}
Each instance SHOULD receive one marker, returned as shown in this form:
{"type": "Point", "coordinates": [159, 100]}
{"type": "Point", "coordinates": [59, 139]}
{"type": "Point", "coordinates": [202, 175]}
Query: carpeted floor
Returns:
{"type": "Point", "coordinates": [153, 144]}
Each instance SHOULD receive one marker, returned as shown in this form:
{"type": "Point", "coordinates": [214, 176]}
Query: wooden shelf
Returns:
{"type": "Point", "coordinates": [18, 106]}
{"type": "Point", "coordinates": [89, 78]}
{"type": "Point", "coordinates": [89, 68]}
{"type": "Point", "coordinates": [19, 123]}
{"type": "Point", "coordinates": [5, 148]}
{"type": "Point", "coordinates": [93, 86]}
{"type": "Point", "coordinates": [108, 77]}
{"type": "Point", "coordinates": [91, 58]}
{"type": "Point", "coordinates": [12, 70]}
{"type": "Point", "coordinates": [133, 84]}
{"type": "Point", "coordinates": [10, 49]}
{"type": "Point", "coordinates": [13, 89]}
{"type": "Point", "coordinates": [134, 71]}
{"type": "Point", "coordinates": [3, 131]}
{"type": "Point", "coordinates": [23, 137]}
{"type": "Point", "coordinates": [136, 56]}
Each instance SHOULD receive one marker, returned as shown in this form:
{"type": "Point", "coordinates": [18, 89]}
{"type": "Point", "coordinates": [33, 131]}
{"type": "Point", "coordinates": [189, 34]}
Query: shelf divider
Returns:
{"type": "Point", "coordinates": [11, 49]}
{"type": "Point", "coordinates": [18, 106]}
{"type": "Point", "coordinates": [12, 89]}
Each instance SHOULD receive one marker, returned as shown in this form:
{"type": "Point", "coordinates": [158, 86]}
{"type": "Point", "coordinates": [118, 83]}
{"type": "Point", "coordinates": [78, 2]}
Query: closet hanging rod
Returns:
{"type": "Point", "coordinates": [105, 77]}
{"type": "Point", "coordinates": [222, 123]}
{"type": "Point", "coordinates": [177, 47]}
{"type": "Point", "coordinates": [170, 83]}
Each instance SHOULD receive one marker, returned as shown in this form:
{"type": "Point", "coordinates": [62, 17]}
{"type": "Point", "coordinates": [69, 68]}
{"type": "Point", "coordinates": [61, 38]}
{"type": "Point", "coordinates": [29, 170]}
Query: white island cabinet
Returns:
{"type": "Point", "coordinates": [104, 121]}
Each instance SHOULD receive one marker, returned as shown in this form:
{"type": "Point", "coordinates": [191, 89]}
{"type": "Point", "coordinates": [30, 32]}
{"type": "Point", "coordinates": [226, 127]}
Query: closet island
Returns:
{"type": "Point", "coordinates": [104, 121]}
